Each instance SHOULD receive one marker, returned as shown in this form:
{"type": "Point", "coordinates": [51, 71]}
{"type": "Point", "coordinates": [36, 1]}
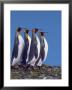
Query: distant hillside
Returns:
{"type": "Point", "coordinates": [46, 72]}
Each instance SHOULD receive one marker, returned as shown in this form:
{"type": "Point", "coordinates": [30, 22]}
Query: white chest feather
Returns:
{"type": "Point", "coordinates": [29, 38]}
{"type": "Point", "coordinates": [20, 49]}
{"type": "Point", "coordinates": [38, 45]}
{"type": "Point", "coordinates": [33, 61]}
{"type": "Point", "coordinates": [21, 41]}
{"type": "Point", "coordinates": [46, 49]}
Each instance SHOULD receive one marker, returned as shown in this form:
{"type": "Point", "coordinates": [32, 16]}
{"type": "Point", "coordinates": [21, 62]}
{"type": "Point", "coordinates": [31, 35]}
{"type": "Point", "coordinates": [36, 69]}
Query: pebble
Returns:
{"type": "Point", "coordinates": [46, 72]}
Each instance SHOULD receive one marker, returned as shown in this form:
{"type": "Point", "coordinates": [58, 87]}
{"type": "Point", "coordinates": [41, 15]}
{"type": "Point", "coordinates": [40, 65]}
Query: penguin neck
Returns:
{"type": "Point", "coordinates": [26, 35]}
{"type": "Point", "coordinates": [19, 36]}
{"type": "Point", "coordinates": [42, 38]}
{"type": "Point", "coordinates": [34, 34]}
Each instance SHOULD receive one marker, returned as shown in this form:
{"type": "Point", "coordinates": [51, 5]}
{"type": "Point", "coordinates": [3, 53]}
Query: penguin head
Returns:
{"type": "Point", "coordinates": [42, 33]}
{"type": "Point", "coordinates": [35, 30]}
{"type": "Point", "coordinates": [27, 31]}
{"type": "Point", "coordinates": [18, 29]}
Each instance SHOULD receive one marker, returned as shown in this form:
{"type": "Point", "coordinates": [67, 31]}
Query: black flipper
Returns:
{"type": "Point", "coordinates": [15, 48]}
{"type": "Point", "coordinates": [24, 54]}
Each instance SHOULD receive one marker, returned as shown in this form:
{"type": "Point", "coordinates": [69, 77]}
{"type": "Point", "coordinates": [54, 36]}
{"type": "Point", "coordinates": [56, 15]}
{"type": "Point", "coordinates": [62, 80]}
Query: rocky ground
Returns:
{"type": "Point", "coordinates": [46, 72]}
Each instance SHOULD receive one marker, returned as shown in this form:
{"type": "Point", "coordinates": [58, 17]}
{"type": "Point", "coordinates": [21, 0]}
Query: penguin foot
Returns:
{"type": "Point", "coordinates": [20, 66]}
{"type": "Point", "coordinates": [14, 67]}
{"type": "Point", "coordinates": [39, 67]}
{"type": "Point", "coordinates": [26, 68]}
{"type": "Point", "coordinates": [32, 68]}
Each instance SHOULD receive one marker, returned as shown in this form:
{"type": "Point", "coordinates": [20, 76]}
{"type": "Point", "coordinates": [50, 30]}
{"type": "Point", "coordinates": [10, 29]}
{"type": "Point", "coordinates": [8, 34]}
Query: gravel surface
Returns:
{"type": "Point", "coordinates": [45, 72]}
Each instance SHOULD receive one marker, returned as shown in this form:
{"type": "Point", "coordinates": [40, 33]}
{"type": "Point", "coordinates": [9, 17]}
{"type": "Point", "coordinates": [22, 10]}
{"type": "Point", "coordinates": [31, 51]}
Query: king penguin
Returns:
{"type": "Point", "coordinates": [18, 48]}
{"type": "Point", "coordinates": [43, 49]}
{"type": "Point", "coordinates": [26, 50]}
{"type": "Point", "coordinates": [34, 49]}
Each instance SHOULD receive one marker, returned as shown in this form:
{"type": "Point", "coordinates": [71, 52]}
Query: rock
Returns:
{"type": "Point", "coordinates": [46, 72]}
